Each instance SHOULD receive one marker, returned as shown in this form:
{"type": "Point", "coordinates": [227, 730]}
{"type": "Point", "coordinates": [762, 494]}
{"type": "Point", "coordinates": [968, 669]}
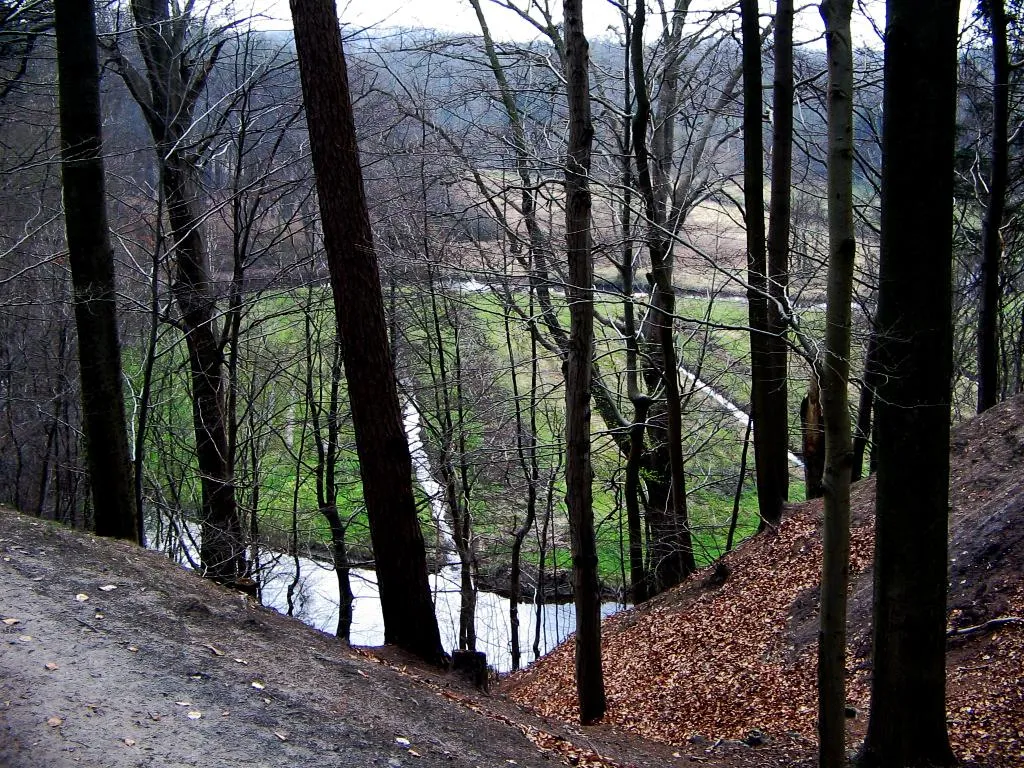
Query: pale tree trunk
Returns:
{"type": "Point", "coordinates": [907, 724]}
{"type": "Point", "coordinates": [991, 238]}
{"type": "Point", "coordinates": [769, 463]}
{"type": "Point", "coordinates": [92, 271]}
{"type": "Point", "coordinates": [384, 461]}
{"type": "Point", "coordinates": [835, 369]}
{"type": "Point", "coordinates": [578, 470]}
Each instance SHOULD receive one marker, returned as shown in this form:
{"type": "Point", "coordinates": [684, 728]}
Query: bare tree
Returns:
{"type": "Point", "coordinates": [578, 471]}
{"type": "Point", "coordinates": [907, 724]}
{"type": "Point", "coordinates": [176, 70]}
{"type": "Point", "coordinates": [835, 375]}
{"type": "Point", "coordinates": [92, 271]}
{"type": "Point", "coordinates": [384, 461]}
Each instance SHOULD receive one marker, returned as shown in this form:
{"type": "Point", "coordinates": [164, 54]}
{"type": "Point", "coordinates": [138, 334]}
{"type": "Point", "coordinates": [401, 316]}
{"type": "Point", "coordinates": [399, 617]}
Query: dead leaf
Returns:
{"type": "Point", "coordinates": [55, 722]}
{"type": "Point", "coordinates": [25, 638]}
{"type": "Point", "coordinates": [258, 685]}
{"type": "Point", "coordinates": [129, 742]}
{"type": "Point", "coordinates": [133, 649]}
{"type": "Point", "coordinates": [81, 597]}
{"type": "Point", "coordinates": [414, 753]}
{"type": "Point", "coordinates": [214, 651]}
{"type": "Point", "coordinates": [183, 703]}
{"type": "Point", "coordinates": [98, 616]}
{"type": "Point", "coordinates": [108, 587]}
{"type": "Point", "coordinates": [51, 666]}
{"type": "Point", "coordinates": [194, 715]}
{"type": "Point", "coordinates": [12, 622]}
{"type": "Point", "coordinates": [242, 661]}
{"type": "Point", "coordinates": [402, 742]}
{"type": "Point", "coordinates": [281, 735]}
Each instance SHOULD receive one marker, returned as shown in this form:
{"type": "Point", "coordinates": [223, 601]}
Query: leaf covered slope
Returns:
{"type": "Point", "coordinates": [722, 661]}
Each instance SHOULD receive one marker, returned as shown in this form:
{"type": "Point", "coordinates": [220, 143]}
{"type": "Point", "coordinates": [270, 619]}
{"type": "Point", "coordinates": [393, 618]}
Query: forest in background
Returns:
{"type": "Point", "coordinates": [463, 141]}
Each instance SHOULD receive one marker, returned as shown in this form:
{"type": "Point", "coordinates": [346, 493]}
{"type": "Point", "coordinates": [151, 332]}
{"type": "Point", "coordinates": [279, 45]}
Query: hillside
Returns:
{"type": "Point", "coordinates": [704, 662]}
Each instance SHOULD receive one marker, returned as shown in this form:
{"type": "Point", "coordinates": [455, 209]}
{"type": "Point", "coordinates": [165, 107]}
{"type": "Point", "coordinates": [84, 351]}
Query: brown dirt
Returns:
{"type": "Point", "coordinates": [111, 680]}
{"type": "Point", "coordinates": [708, 663]}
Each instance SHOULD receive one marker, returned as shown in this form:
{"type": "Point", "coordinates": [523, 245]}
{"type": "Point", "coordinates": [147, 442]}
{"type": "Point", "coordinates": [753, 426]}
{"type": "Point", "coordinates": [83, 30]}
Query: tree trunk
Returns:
{"type": "Point", "coordinates": [578, 470]}
{"type": "Point", "coordinates": [775, 419]}
{"type": "Point", "coordinates": [813, 431]}
{"type": "Point", "coordinates": [384, 461]}
{"type": "Point", "coordinates": [865, 405]}
{"type": "Point", "coordinates": [835, 567]}
{"type": "Point", "coordinates": [991, 238]}
{"type": "Point", "coordinates": [174, 84]}
{"type": "Point", "coordinates": [907, 724]}
{"type": "Point", "coordinates": [769, 463]}
{"type": "Point", "coordinates": [671, 552]}
{"type": "Point", "coordinates": [92, 272]}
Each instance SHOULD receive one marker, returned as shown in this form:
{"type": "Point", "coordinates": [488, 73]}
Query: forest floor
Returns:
{"type": "Point", "coordinates": [113, 656]}
{"type": "Point", "coordinates": [737, 660]}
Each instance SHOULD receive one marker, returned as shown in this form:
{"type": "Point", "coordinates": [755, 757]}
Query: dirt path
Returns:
{"type": "Point", "coordinates": [168, 670]}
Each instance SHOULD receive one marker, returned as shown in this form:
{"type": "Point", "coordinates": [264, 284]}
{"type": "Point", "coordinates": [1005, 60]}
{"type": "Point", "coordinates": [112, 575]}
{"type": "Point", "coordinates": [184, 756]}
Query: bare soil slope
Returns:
{"type": "Point", "coordinates": [734, 661]}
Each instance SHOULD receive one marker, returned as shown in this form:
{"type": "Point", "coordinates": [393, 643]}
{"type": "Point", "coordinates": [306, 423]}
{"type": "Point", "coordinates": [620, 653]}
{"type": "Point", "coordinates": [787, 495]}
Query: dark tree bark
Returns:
{"type": "Point", "coordinates": [991, 238]}
{"type": "Point", "coordinates": [384, 462]}
{"type": "Point", "coordinates": [167, 96]}
{"type": "Point", "coordinates": [775, 419]}
{"type": "Point", "coordinates": [835, 567]}
{"type": "Point", "coordinates": [92, 271]}
{"type": "Point", "coordinates": [907, 724]}
{"type": "Point", "coordinates": [770, 463]}
{"type": "Point", "coordinates": [578, 469]}
{"type": "Point", "coordinates": [670, 553]}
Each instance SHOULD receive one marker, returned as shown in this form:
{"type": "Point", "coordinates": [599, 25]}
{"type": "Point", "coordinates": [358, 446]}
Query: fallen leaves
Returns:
{"type": "Point", "coordinates": [81, 597]}
{"type": "Point", "coordinates": [723, 662]}
{"type": "Point", "coordinates": [12, 622]}
{"type": "Point", "coordinates": [194, 715]}
{"type": "Point", "coordinates": [51, 667]}
{"type": "Point", "coordinates": [55, 722]}
{"type": "Point", "coordinates": [108, 587]}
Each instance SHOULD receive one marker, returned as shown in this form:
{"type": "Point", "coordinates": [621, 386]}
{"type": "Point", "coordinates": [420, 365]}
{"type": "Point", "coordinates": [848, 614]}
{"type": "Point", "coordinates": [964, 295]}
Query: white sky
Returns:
{"type": "Point", "coordinates": [457, 16]}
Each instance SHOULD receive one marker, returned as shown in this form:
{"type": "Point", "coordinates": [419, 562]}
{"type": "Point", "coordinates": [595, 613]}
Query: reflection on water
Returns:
{"type": "Point", "coordinates": [315, 602]}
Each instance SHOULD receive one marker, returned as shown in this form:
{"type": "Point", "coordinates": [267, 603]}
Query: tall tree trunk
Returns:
{"type": "Point", "coordinates": [907, 724]}
{"type": "Point", "coordinates": [776, 417]}
{"type": "Point", "coordinates": [671, 552]}
{"type": "Point", "coordinates": [167, 98]}
{"type": "Point", "coordinates": [384, 461]}
{"type": "Point", "coordinates": [991, 237]}
{"type": "Point", "coordinates": [835, 568]}
{"type": "Point", "coordinates": [578, 470]}
{"type": "Point", "coordinates": [770, 464]}
{"type": "Point", "coordinates": [92, 272]}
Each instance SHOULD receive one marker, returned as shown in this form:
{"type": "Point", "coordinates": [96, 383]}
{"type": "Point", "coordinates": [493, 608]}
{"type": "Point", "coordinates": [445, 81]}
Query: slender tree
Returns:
{"type": "Point", "coordinates": [907, 724]}
{"type": "Point", "coordinates": [578, 470]}
{"type": "Point", "coordinates": [994, 13]}
{"type": "Point", "coordinates": [771, 464]}
{"type": "Point", "coordinates": [384, 461]}
{"type": "Point", "coordinates": [92, 271]}
{"type": "Point", "coordinates": [775, 420]}
{"type": "Point", "coordinates": [835, 382]}
{"type": "Point", "coordinates": [177, 67]}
